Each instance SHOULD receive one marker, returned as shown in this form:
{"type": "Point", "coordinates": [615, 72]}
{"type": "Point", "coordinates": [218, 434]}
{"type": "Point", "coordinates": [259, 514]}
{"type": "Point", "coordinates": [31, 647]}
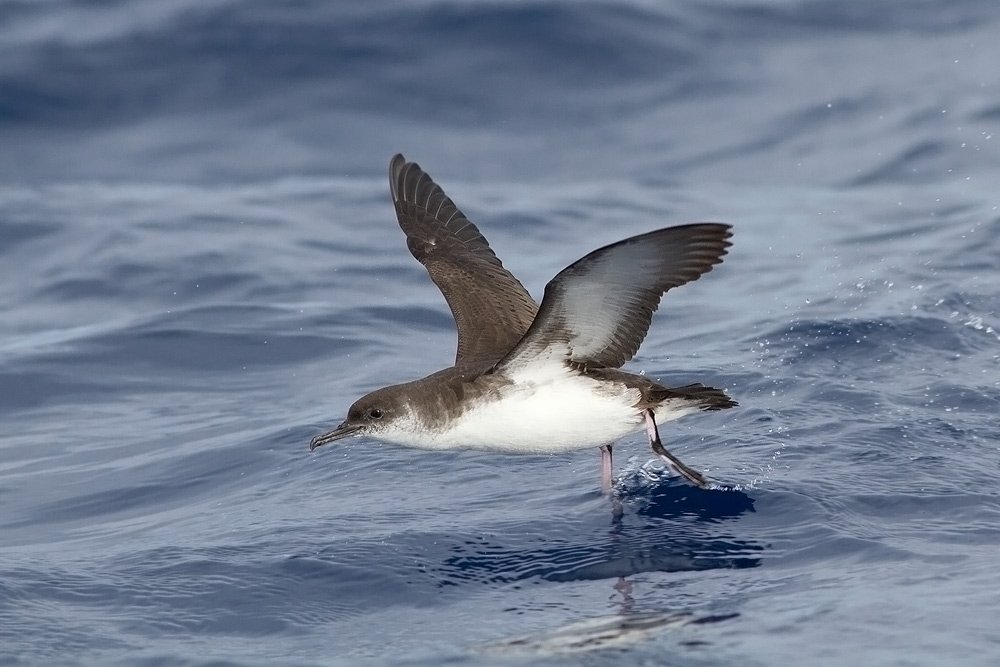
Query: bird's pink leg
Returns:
{"type": "Point", "coordinates": [607, 480]}
{"type": "Point", "coordinates": [690, 474]}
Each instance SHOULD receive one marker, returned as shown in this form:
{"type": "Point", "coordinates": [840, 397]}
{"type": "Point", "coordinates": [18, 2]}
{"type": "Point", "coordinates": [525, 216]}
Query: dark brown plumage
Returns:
{"type": "Point", "coordinates": [491, 307]}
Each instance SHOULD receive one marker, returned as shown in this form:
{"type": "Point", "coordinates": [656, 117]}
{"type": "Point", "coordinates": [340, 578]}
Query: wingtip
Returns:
{"type": "Point", "coordinates": [720, 232]}
{"type": "Point", "coordinates": [724, 228]}
{"type": "Point", "coordinates": [702, 232]}
{"type": "Point", "coordinates": [727, 234]}
{"type": "Point", "coordinates": [396, 166]}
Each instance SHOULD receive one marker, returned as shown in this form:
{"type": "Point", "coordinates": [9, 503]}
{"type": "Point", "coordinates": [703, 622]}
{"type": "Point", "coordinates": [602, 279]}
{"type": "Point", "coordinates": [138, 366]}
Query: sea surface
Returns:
{"type": "Point", "coordinates": [200, 269]}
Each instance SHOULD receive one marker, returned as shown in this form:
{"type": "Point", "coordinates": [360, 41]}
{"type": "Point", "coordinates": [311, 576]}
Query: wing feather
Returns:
{"type": "Point", "coordinates": [492, 309]}
{"type": "Point", "coordinates": [597, 311]}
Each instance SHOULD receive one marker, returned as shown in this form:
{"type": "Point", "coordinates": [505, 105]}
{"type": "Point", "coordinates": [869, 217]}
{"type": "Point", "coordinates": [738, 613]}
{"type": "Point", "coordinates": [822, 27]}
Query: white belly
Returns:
{"type": "Point", "coordinates": [551, 417]}
{"type": "Point", "coordinates": [554, 412]}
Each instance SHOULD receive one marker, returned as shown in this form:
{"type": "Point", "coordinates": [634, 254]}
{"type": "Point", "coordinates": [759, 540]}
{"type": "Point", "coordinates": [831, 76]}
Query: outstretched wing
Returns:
{"type": "Point", "coordinates": [597, 311]}
{"type": "Point", "coordinates": [491, 308]}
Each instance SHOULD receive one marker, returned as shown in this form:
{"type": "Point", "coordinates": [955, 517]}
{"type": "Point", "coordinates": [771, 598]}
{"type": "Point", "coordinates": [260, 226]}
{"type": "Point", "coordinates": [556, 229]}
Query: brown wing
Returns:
{"type": "Point", "coordinates": [492, 309]}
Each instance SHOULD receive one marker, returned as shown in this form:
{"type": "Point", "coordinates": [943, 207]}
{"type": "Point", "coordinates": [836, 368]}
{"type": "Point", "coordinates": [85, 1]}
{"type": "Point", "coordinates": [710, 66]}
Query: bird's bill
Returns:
{"type": "Point", "coordinates": [341, 431]}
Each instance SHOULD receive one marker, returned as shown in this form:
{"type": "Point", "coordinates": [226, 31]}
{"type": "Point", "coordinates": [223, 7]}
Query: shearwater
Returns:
{"type": "Point", "coordinates": [537, 378]}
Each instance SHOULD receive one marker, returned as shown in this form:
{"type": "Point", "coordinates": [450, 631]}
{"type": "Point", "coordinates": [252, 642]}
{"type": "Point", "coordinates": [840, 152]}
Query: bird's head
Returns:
{"type": "Point", "coordinates": [370, 415]}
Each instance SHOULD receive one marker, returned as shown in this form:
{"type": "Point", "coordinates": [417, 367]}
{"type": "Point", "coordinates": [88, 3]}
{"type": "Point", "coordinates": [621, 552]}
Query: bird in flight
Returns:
{"type": "Point", "coordinates": [538, 378]}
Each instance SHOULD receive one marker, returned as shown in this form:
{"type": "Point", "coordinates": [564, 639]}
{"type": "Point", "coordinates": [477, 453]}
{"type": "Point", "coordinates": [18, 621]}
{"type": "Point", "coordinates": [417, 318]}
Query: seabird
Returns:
{"type": "Point", "coordinates": [538, 378]}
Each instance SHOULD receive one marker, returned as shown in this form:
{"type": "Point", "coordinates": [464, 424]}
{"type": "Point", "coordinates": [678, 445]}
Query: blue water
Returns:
{"type": "Point", "coordinates": [200, 270]}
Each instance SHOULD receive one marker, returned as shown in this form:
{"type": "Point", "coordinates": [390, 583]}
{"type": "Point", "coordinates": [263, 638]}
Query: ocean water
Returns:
{"type": "Point", "coordinates": [200, 269]}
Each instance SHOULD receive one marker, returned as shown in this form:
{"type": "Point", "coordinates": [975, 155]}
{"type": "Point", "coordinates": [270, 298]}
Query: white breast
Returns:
{"type": "Point", "coordinates": [547, 409]}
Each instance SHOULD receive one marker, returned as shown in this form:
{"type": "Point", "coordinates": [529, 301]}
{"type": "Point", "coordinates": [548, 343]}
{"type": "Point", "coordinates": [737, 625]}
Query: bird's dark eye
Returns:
{"type": "Point", "coordinates": [375, 413]}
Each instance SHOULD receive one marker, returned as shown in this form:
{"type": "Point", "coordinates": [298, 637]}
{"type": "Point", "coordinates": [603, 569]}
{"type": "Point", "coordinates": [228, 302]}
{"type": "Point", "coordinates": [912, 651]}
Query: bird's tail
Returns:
{"type": "Point", "coordinates": [708, 398]}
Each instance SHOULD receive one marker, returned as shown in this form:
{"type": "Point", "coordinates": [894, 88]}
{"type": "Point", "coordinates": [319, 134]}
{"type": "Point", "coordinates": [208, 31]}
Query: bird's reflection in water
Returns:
{"type": "Point", "coordinates": [594, 634]}
{"type": "Point", "coordinates": [668, 526]}
{"type": "Point", "coordinates": [671, 526]}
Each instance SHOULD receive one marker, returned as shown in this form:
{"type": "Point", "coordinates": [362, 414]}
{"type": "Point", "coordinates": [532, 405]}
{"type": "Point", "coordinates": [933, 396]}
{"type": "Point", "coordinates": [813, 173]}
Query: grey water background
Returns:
{"type": "Point", "coordinates": [200, 269]}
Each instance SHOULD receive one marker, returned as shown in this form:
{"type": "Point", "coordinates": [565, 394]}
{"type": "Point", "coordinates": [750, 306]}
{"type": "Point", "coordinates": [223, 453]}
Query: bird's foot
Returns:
{"type": "Point", "coordinates": [685, 471]}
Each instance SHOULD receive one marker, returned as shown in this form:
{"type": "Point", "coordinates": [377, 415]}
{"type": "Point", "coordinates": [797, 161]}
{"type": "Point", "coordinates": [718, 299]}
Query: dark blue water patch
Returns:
{"type": "Point", "coordinates": [126, 280]}
{"type": "Point", "coordinates": [198, 341]}
{"type": "Point", "coordinates": [199, 350]}
{"type": "Point", "coordinates": [231, 590]}
{"type": "Point", "coordinates": [172, 592]}
{"type": "Point", "coordinates": [151, 488]}
{"type": "Point", "coordinates": [73, 378]}
{"type": "Point", "coordinates": [406, 317]}
{"type": "Point", "coordinates": [236, 222]}
{"type": "Point", "coordinates": [792, 125]}
{"type": "Point", "coordinates": [964, 511]}
{"type": "Point", "coordinates": [36, 389]}
{"type": "Point", "coordinates": [128, 76]}
{"type": "Point", "coordinates": [851, 343]}
{"type": "Point", "coordinates": [54, 636]}
{"type": "Point", "coordinates": [805, 18]}
{"type": "Point", "coordinates": [549, 33]}
{"type": "Point", "coordinates": [183, 349]}
{"type": "Point", "coordinates": [131, 265]}
{"type": "Point", "coordinates": [24, 98]}
{"type": "Point", "coordinates": [237, 591]}
{"type": "Point", "coordinates": [675, 498]}
{"type": "Point", "coordinates": [14, 233]}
